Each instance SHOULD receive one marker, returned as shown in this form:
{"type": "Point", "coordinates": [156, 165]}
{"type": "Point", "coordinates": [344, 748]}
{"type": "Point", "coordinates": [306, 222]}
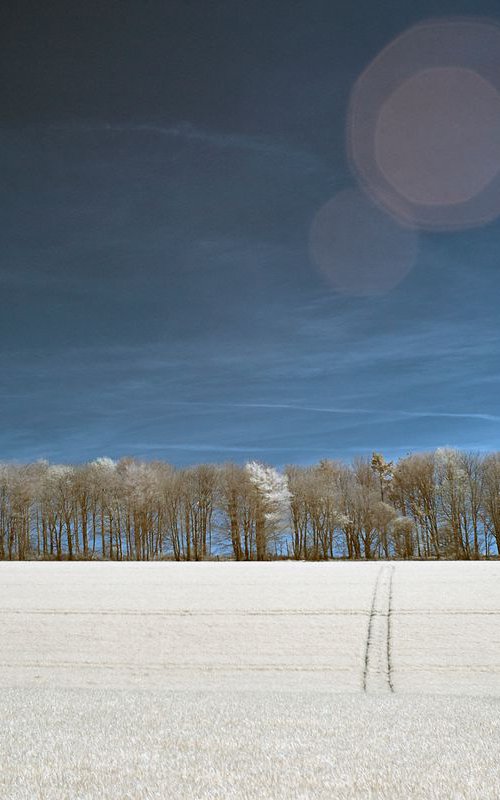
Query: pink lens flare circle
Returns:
{"type": "Point", "coordinates": [360, 249]}
{"type": "Point", "coordinates": [423, 130]}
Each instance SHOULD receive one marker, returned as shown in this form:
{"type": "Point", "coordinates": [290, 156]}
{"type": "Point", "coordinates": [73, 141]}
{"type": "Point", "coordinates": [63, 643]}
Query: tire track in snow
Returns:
{"type": "Point", "coordinates": [291, 612]}
{"type": "Point", "coordinates": [377, 671]}
{"type": "Point", "coordinates": [389, 631]}
{"type": "Point", "coordinates": [194, 666]}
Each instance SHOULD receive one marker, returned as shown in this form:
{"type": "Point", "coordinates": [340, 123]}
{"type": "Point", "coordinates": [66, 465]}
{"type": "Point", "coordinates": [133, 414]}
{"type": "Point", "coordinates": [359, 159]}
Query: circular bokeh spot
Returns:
{"type": "Point", "coordinates": [424, 125]}
{"type": "Point", "coordinates": [359, 248]}
{"type": "Point", "coordinates": [437, 137]}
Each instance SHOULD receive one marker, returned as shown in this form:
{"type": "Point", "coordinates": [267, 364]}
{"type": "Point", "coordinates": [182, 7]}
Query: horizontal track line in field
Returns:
{"type": "Point", "coordinates": [185, 613]}
{"type": "Point", "coordinates": [242, 613]}
{"type": "Point", "coordinates": [173, 666]}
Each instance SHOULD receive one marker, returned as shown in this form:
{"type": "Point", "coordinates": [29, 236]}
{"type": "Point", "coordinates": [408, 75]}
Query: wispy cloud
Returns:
{"type": "Point", "coordinates": [185, 131]}
{"type": "Point", "coordinates": [217, 448]}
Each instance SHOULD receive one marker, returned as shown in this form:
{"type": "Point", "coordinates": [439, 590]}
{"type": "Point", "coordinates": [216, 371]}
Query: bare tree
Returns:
{"type": "Point", "coordinates": [444, 504]}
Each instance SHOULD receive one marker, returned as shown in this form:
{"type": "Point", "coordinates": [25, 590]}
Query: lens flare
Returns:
{"type": "Point", "coordinates": [424, 125]}
{"type": "Point", "coordinates": [361, 250]}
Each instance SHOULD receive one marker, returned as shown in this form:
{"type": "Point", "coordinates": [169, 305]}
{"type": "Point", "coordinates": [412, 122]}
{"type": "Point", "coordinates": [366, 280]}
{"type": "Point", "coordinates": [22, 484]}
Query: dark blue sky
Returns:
{"type": "Point", "coordinates": [161, 164]}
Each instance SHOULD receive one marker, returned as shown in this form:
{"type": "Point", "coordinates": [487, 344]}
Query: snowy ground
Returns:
{"type": "Point", "coordinates": [276, 680]}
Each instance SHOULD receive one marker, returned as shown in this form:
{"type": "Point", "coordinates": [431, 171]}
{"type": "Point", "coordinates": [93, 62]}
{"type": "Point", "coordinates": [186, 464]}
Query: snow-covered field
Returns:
{"type": "Point", "coordinates": [225, 680]}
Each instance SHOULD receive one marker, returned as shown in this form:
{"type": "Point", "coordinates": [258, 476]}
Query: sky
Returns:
{"type": "Point", "coordinates": [162, 167]}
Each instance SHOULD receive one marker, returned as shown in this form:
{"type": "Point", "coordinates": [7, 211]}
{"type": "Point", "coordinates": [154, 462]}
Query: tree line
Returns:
{"type": "Point", "coordinates": [439, 505]}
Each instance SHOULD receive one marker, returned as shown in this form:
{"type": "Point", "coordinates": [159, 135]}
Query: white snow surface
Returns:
{"type": "Point", "coordinates": [272, 680]}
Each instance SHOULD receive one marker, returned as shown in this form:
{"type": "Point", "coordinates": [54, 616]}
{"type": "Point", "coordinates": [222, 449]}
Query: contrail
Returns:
{"type": "Point", "coordinates": [341, 410]}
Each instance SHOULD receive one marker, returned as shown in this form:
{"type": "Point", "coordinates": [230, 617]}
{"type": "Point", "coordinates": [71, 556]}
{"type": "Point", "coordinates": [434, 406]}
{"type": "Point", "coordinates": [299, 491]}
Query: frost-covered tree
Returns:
{"type": "Point", "coordinates": [272, 504]}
